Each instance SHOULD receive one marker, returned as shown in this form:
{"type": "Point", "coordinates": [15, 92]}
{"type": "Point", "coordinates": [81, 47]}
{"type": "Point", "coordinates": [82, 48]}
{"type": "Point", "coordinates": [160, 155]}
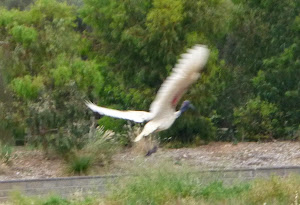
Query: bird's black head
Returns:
{"type": "Point", "coordinates": [186, 105]}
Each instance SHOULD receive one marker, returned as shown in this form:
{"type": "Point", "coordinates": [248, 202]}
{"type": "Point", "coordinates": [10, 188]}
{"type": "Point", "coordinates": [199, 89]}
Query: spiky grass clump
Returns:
{"type": "Point", "coordinates": [97, 152]}
{"type": "Point", "coordinates": [80, 164]}
{"type": "Point", "coordinates": [101, 146]}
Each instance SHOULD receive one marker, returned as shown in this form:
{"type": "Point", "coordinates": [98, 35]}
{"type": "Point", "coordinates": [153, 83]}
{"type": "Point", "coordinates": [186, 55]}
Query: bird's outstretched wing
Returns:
{"type": "Point", "coordinates": [183, 75]}
{"type": "Point", "coordinates": [137, 116]}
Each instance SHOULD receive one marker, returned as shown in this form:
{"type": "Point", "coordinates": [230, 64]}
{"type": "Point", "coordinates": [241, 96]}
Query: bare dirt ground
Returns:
{"type": "Point", "coordinates": [28, 164]}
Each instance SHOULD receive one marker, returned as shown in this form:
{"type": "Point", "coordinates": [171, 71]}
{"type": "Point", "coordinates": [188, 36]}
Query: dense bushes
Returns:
{"type": "Point", "coordinates": [143, 43]}
{"type": "Point", "coordinates": [263, 50]}
{"type": "Point", "coordinates": [257, 120]}
{"type": "Point", "coordinates": [117, 53]}
{"type": "Point", "coordinates": [42, 66]}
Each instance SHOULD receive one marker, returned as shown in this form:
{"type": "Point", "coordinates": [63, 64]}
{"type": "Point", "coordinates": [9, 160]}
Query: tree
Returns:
{"type": "Point", "coordinates": [42, 66]}
{"type": "Point", "coordinates": [261, 50]}
{"type": "Point", "coordinates": [142, 41]}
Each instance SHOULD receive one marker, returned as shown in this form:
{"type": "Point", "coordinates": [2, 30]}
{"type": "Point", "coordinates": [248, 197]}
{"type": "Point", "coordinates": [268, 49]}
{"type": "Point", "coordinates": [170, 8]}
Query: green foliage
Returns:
{"type": "Point", "coordinates": [55, 55]}
{"type": "Point", "coordinates": [164, 14]}
{"type": "Point", "coordinates": [218, 191]}
{"type": "Point", "coordinates": [261, 48]}
{"type": "Point", "coordinates": [80, 164]}
{"type": "Point", "coordinates": [101, 145]}
{"type": "Point", "coordinates": [24, 35]}
{"type": "Point", "coordinates": [279, 83]}
{"type": "Point", "coordinates": [150, 26]}
{"type": "Point", "coordinates": [18, 198]}
{"type": "Point", "coordinates": [27, 87]}
{"type": "Point", "coordinates": [58, 121]}
{"type": "Point", "coordinates": [97, 150]}
{"type": "Point", "coordinates": [56, 200]}
{"type": "Point", "coordinates": [6, 152]}
{"type": "Point", "coordinates": [171, 187]}
{"type": "Point", "coordinates": [157, 187]}
{"type": "Point", "coordinates": [257, 120]}
{"type": "Point", "coordinates": [275, 191]}
{"type": "Point", "coordinates": [85, 74]}
{"type": "Point", "coordinates": [16, 4]}
{"type": "Point", "coordinates": [161, 186]}
{"type": "Point", "coordinates": [61, 75]}
{"type": "Point", "coordinates": [165, 187]}
{"type": "Point", "coordinates": [260, 31]}
{"type": "Point", "coordinates": [5, 122]}
{"type": "Point", "coordinates": [11, 125]}
{"type": "Point", "coordinates": [113, 124]}
{"type": "Point", "coordinates": [178, 186]}
{"type": "Point", "coordinates": [143, 43]}
{"type": "Point", "coordinates": [49, 80]}
{"type": "Point", "coordinates": [189, 127]}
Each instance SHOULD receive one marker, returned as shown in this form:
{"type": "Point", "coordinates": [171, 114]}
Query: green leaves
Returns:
{"type": "Point", "coordinates": [86, 74]}
{"type": "Point", "coordinates": [27, 87]}
{"type": "Point", "coordinates": [165, 15]}
{"type": "Point", "coordinates": [257, 120]}
{"type": "Point", "coordinates": [24, 35]}
{"type": "Point", "coordinates": [44, 69]}
{"type": "Point", "coordinates": [123, 50]}
{"type": "Point", "coordinates": [280, 84]}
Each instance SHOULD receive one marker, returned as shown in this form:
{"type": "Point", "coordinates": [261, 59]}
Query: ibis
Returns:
{"type": "Point", "coordinates": [163, 112]}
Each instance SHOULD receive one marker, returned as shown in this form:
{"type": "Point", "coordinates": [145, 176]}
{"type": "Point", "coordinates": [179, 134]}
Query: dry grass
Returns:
{"type": "Point", "coordinates": [275, 190]}
{"type": "Point", "coordinates": [169, 184]}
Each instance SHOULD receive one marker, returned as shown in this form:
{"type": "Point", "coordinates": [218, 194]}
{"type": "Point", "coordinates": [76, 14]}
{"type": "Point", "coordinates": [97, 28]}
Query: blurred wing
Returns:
{"type": "Point", "coordinates": [137, 116]}
{"type": "Point", "coordinates": [183, 75]}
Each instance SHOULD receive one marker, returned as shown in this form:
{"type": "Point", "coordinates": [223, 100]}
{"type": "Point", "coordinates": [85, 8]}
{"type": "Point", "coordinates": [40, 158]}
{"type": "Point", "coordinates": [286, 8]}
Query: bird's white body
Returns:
{"type": "Point", "coordinates": [158, 123]}
{"type": "Point", "coordinates": [162, 110]}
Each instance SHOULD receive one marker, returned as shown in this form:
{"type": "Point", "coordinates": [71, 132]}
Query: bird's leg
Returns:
{"type": "Point", "coordinates": [154, 148]}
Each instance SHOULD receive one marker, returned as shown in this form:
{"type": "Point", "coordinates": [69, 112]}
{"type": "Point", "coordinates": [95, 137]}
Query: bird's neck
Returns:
{"type": "Point", "coordinates": [179, 112]}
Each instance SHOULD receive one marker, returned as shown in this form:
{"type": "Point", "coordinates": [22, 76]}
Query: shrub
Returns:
{"type": "Point", "coordinates": [58, 121]}
{"type": "Point", "coordinates": [101, 145]}
{"type": "Point", "coordinates": [97, 151]}
{"type": "Point", "coordinates": [6, 152]}
{"type": "Point", "coordinates": [257, 120]}
{"type": "Point", "coordinates": [41, 52]}
{"type": "Point", "coordinates": [80, 164]}
{"type": "Point", "coordinates": [24, 35]}
{"type": "Point", "coordinates": [27, 87]}
{"type": "Point", "coordinates": [189, 128]}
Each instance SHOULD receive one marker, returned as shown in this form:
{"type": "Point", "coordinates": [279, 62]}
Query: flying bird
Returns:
{"type": "Point", "coordinates": [162, 110]}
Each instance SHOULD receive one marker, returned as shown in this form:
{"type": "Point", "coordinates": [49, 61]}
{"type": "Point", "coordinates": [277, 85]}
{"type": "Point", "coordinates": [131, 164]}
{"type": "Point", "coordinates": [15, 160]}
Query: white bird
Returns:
{"type": "Point", "coordinates": [162, 110]}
